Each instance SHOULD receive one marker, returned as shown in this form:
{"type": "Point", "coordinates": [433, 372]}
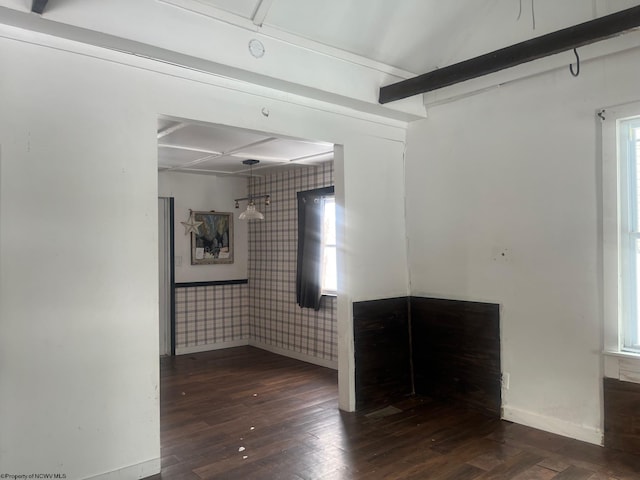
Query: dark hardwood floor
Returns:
{"type": "Point", "coordinates": [244, 413]}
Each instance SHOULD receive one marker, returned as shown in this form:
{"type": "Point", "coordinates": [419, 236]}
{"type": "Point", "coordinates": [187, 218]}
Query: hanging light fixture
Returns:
{"type": "Point", "coordinates": [251, 213]}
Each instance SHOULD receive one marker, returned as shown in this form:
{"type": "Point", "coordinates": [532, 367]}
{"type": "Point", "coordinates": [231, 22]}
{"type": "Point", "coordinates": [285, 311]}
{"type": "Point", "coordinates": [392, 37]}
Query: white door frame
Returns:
{"type": "Point", "coordinates": [166, 280]}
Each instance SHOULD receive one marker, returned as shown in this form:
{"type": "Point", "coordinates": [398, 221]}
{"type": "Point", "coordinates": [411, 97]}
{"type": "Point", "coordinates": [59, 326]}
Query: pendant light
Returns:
{"type": "Point", "coordinates": [251, 213]}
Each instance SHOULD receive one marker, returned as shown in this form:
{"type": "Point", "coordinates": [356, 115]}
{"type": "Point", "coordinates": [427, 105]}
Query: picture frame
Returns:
{"type": "Point", "coordinates": [213, 244]}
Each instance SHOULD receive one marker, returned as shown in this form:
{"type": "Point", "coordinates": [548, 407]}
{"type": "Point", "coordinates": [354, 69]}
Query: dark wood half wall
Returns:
{"type": "Point", "coordinates": [456, 351]}
{"type": "Point", "coordinates": [455, 345]}
{"type": "Point", "coordinates": [381, 341]}
{"type": "Point", "coordinates": [622, 415]}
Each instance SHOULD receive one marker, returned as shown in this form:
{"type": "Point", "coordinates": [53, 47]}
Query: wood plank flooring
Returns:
{"type": "Point", "coordinates": [244, 413]}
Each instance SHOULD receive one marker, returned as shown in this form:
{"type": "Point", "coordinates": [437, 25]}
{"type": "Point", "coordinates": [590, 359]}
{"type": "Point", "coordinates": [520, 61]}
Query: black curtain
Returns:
{"type": "Point", "coordinates": [310, 208]}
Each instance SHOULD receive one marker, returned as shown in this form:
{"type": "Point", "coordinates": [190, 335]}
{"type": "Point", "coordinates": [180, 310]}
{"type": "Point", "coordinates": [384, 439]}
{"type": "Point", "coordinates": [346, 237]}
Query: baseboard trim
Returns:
{"type": "Point", "coordinates": [553, 425]}
{"type": "Point", "coordinates": [140, 470]}
{"type": "Point", "coordinates": [211, 346]}
{"type": "Point", "coordinates": [296, 355]}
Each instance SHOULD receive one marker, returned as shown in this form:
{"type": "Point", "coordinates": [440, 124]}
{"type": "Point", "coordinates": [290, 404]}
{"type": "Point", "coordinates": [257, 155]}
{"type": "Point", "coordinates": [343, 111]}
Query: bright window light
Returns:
{"type": "Point", "coordinates": [329, 280]}
{"type": "Point", "coordinates": [629, 215]}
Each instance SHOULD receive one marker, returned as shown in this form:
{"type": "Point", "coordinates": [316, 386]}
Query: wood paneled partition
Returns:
{"type": "Point", "coordinates": [440, 348]}
{"type": "Point", "coordinates": [456, 351]}
{"type": "Point", "coordinates": [622, 415]}
{"type": "Point", "coordinates": [382, 353]}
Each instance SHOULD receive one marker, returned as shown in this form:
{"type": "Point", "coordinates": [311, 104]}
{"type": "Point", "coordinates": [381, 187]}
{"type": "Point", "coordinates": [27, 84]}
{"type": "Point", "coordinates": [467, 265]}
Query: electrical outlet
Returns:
{"type": "Point", "coordinates": [505, 381]}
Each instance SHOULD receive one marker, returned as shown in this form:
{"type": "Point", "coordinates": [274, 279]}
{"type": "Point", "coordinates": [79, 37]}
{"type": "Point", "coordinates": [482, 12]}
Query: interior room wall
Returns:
{"type": "Point", "coordinates": [205, 193]}
{"type": "Point", "coordinates": [79, 267]}
{"type": "Point", "coordinates": [503, 206]}
{"type": "Point", "coordinates": [277, 323]}
{"type": "Point", "coordinates": [78, 290]}
{"type": "Point", "coordinates": [211, 309]}
{"type": "Point", "coordinates": [210, 317]}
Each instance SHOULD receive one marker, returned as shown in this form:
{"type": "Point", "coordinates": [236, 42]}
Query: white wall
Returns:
{"type": "Point", "coordinates": [205, 193]}
{"type": "Point", "coordinates": [516, 170]}
{"type": "Point", "coordinates": [375, 221]}
{"type": "Point", "coordinates": [78, 275]}
{"type": "Point", "coordinates": [78, 241]}
{"type": "Point", "coordinates": [78, 272]}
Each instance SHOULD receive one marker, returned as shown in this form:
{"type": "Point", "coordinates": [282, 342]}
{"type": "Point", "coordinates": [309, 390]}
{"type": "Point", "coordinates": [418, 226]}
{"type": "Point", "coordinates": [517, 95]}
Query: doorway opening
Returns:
{"type": "Point", "coordinates": [247, 298]}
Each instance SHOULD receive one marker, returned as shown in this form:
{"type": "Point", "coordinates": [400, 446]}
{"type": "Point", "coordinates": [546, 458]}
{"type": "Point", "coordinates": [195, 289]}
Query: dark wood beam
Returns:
{"type": "Point", "coordinates": [38, 6]}
{"type": "Point", "coordinates": [539, 47]}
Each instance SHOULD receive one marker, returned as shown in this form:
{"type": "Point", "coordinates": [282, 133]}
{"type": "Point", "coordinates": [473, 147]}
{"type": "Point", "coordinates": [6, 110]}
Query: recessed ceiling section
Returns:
{"type": "Point", "coordinates": [232, 164]}
{"type": "Point", "coordinates": [210, 138]}
{"type": "Point", "coordinates": [285, 150]}
{"type": "Point", "coordinates": [173, 158]}
{"type": "Point", "coordinates": [194, 147]}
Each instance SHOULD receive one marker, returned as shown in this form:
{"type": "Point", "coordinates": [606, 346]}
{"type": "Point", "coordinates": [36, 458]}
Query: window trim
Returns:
{"type": "Point", "coordinates": [613, 236]}
{"type": "Point", "coordinates": [629, 233]}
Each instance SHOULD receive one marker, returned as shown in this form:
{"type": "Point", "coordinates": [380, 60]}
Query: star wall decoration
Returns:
{"type": "Point", "coordinates": [191, 225]}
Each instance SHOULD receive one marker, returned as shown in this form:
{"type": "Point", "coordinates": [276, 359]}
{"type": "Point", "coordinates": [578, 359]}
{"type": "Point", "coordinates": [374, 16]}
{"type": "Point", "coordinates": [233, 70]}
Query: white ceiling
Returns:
{"type": "Point", "coordinates": [194, 147]}
{"type": "Point", "coordinates": [417, 35]}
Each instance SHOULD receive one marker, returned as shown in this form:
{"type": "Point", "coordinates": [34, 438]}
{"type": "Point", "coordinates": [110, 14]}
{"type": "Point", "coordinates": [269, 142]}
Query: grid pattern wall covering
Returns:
{"type": "Point", "coordinates": [275, 318]}
{"type": "Point", "coordinates": [207, 315]}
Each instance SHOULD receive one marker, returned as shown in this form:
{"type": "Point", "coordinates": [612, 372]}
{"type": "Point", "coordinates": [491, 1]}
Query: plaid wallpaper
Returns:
{"type": "Point", "coordinates": [265, 310]}
{"type": "Point", "coordinates": [274, 317]}
{"type": "Point", "coordinates": [211, 314]}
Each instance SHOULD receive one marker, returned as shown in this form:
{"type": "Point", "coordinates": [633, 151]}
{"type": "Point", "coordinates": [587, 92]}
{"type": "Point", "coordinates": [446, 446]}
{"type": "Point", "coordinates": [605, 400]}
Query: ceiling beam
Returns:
{"type": "Point", "coordinates": [261, 11]}
{"type": "Point", "coordinates": [189, 149]}
{"type": "Point", "coordinates": [170, 129]}
{"type": "Point", "coordinates": [38, 6]}
{"type": "Point", "coordinates": [523, 52]}
{"type": "Point", "coordinates": [313, 157]}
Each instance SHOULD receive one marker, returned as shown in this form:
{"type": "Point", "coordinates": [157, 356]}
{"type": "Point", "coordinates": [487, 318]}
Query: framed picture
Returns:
{"type": "Point", "coordinates": [214, 242]}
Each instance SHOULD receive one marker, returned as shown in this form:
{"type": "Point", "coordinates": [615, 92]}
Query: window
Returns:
{"type": "Point", "coordinates": [316, 268]}
{"type": "Point", "coordinates": [628, 133]}
{"type": "Point", "coordinates": [328, 272]}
